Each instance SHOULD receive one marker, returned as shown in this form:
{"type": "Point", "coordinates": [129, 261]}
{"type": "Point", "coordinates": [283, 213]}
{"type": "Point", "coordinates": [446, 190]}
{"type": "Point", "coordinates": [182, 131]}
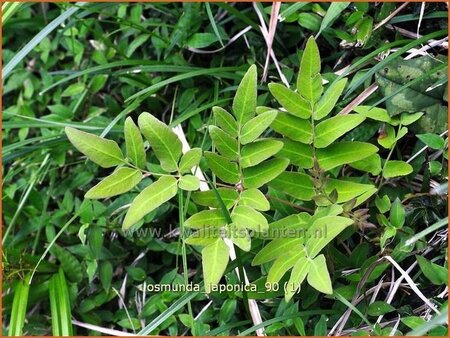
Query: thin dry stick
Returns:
{"type": "Point", "coordinates": [393, 289]}
{"type": "Point", "coordinates": [105, 330]}
{"type": "Point", "coordinates": [233, 39]}
{"type": "Point", "coordinates": [411, 283]}
{"type": "Point", "coordinates": [265, 34]}
{"type": "Point", "coordinates": [390, 16]}
{"type": "Point", "coordinates": [253, 306]}
{"type": "Point", "coordinates": [359, 99]}
{"type": "Point", "coordinates": [271, 35]}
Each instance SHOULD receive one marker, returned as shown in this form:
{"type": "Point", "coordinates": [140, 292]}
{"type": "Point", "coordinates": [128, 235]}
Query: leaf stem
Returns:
{"type": "Point", "coordinates": [183, 250]}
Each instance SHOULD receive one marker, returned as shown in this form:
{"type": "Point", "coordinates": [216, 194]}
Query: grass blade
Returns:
{"type": "Point", "coordinates": [19, 307]}
{"type": "Point", "coordinates": [60, 305]}
{"type": "Point", "coordinates": [37, 39]}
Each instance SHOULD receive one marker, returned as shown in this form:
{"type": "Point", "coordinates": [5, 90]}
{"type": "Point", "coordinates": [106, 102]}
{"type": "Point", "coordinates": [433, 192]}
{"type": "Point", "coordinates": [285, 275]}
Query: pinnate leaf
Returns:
{"type": "Point", "coordinates": [344, 152]}
{"type": "Point", "coordinates": [163, 141]}
{"type": "Point", "coordinates": [223, 168]}
{"type": "Point", "coordinates": [318, 276]}
{"type": "Point", "coordinates": [331, 129]}
{"type": "Point", "coordinates": [328, 101]}
{"type": "Point", "coordinates": [214, 261]}
{"type": "Point", "coordinates": [105, 153]}
{"type": "Point", "coordinates": [256, 126]}
{"type": "Point", "coordinates": [396, 169]}
{"type": "Point", "coordinates": [293, 102]}
{"type": "Point", "coordinates": [258, 151]}
{"type": "Point", "coordinates": [255, 177]}
{"type": "Point", "coordinates": [293, 127]}
{"type": "Point", "coordinates": [119, 182]}
{"type": "Point", "coordinates": [244, 103]}
{"type": "Point", "coordinates": [247, 217]}
{"type": "Point", "coordinates": [226, 144]}
{"type": "Point", "coordinates": [254, 198]}
{"type": "Point", "coordinates": [189, 183]}
{"type": "Point", "coordinates": [134, 144]}
{"type": "Point", "coordinates": [190, 159]}
{"type": "Point", "coordinates": [225, 121]}
{"type": "Point", "coordinates": [149, 199]}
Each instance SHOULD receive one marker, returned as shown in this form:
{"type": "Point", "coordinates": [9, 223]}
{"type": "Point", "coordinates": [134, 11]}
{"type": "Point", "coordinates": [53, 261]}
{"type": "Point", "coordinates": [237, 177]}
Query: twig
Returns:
{"type": "Point", "coordinates": [390, 16]}
{"type": "Point", "coordinates": [359, 99]}
{"type": "Point", "coordinates": [411, 283]}
{"type": "Point", "coordinates": [105, 330]}
{"type": "Point", "coordinates": [270, 36]}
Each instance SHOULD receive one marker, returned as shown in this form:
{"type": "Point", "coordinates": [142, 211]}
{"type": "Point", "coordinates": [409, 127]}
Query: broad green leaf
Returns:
{"type": "Point", "coordinates": [371, 164]}
{"type": "Point", "coordinates": [225, 121]}
{"type": "Point", "coordinates": [245, 216]}
{"type": "Point", "coordinates": [105, 153]}
{"type": "Point", "coordinates": [298, 275]}
{"type": "Point", "coordinates": [396, 169]}
{"type": "Point", "coordinates": [299, 154]}
{"type": "Point", "coordinates": [204, 236]}
{"type": "Point", "coordinates": [432, 140]}
{"type": "Point", "coordinates": [379, 308]}
{"type": "Point", "coordinates": [254, 198]}
{"type": "Point", "coordinates": [318, 276]}
{"type": "Point", "coordinates": [293, 102]}
{"type": "Point", "coordinates": [397, 214]}
{"type": "Point", "coordinates": [400, 133]}
{"type": "Point", "coordinates": [119, 182]}
{"type": "Point", "coordinates": [239, 236]}
{"type": "Point", "coordinates": [365, 29]}
{"type": "Point", "coordinates": [189, 183]}
{"type": "Point", "coordinates": [134, 144]}
{"type": "Point", "coordinates": [201, 40]}
{"type": "Point", "coordinates": [255, 177]}
{"type": "Point", "coordinates": [328, 100]}
{"type": "Point", "coordinates": [347, 189]}
{"type": "Point", "coordinates": [190, 160]}
{"type": "Point", "coordinates": [256, 126]}
{"type": "Point", "coordinates": [222, 167]}
{"type": "Point", "coordinates": [244, 102]}
{"type": "Point", "coordinates": [275, 249]}
{"type": "Point", "coordinates": [258, 151]}
{"type": "Point", "coordinates": [149, 199]}
{"type": "Point", "coordinates": [293, 127]}
{"type": "Point", "coordinates": [323, 231]}
{"type": "Point", "coordinates": [297, 221]}
{"type": "Point", "coordinates": [226, 144]}
{"type": "Point", "coordinates": [407, 118]}
{"type": "Point", "coordinates": [214, 262]}
{"type": "Point", "coordinates": [414, 98]}
{"type": "Point", "coordinates": [437, 274]}
{"type": "Point", "coordinates": [387, 139]}
{"type": "Point", "coordinates": [298, 185]}
{"type": "Point", "coordinates": [331, 129]}
{"type": "Point", "coordinates": [163, 141]}
{"type": "Point", "coordinates": [383, 204]}
{"type": "Point", "coordinates": [342, 153]}
{"type": "Point", "coordinates": [283, 263]}
{"type": "Point", "coordinates": [73, 89]}
{"type": "Point", "coordinates": [365, 196]}
{"type": "Point", "coordinates": [374, 113]}
{"type": "Point", "coordinates": [309, 81]}
{"type": "Point", "coordinates": [205, 218]}
{"type": "Point", "coordinates": [209, 199]}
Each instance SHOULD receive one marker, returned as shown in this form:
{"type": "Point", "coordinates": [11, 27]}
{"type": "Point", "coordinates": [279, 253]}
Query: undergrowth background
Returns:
{"type": "Point", "coordinates": [106, 61]}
